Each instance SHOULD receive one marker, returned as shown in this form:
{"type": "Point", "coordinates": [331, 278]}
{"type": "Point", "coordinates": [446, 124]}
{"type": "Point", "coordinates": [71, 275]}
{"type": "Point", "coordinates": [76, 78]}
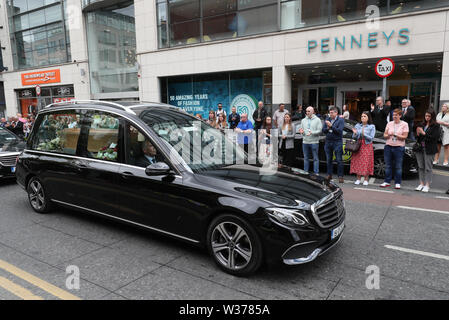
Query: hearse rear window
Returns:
{"type": "Point", "coordinates": [58, 132]}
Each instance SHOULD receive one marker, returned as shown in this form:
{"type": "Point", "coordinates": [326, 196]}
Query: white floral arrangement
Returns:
{"type": "Point", "coordinates": [108, 153]}
{"type": "Point", "coordinates": [53, 145]}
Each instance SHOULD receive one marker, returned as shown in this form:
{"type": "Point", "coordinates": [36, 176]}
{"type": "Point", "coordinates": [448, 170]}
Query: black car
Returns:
{"type": "Point", "coordinates": [131, 162]}
{"type": "Point", "coordinates": [10, 148]}
{"type": "Point", "coordinates": [409, 163]}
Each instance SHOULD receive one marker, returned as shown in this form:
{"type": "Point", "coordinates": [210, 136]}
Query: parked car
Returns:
{"type": "Point", "coordinates": [10, 148]}
{"type": "Point", "coordinates": [96, 163]}
{"type": "Point", "coordinates": [409, 163]}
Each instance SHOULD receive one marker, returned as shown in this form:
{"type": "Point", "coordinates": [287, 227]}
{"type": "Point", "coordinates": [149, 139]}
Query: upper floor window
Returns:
{"type": "Point", "coordinates": [183, 22]}
{"type": "Point", "coordinates": [39, 35]}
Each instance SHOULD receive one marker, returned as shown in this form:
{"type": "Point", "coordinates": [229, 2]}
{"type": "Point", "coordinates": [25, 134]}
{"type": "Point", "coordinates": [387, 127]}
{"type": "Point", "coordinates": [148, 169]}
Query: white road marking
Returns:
{"type": "Point", "coordinates": [447, 198]}
{"type": "Point", "coordinates": [367, 189]}
{"type": "Point", "coordinates": [422, 253]}
{"type": "Point", "coordinates": [441, 173]}
{"type": "Point", "coordinates": [423, 209]}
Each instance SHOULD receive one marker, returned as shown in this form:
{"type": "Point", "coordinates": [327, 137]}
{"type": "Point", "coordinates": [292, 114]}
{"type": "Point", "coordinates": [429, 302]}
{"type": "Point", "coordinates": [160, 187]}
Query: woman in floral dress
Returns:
{"type": "Point", "coordinates": [362, 162]}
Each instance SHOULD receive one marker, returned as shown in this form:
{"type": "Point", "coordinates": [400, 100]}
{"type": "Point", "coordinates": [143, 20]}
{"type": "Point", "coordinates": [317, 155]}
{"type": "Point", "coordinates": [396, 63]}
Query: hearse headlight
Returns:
{"type": "Point", "coordinates": [287, 217]}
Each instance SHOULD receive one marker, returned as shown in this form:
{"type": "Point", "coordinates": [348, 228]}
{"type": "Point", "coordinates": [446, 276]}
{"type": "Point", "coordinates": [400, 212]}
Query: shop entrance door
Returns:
{"type": "Point", "coordinates": [359, 101]}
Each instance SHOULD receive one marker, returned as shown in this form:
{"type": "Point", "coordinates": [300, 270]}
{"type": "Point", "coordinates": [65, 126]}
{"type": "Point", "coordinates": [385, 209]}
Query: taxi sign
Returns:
{"type": "Point", "coordinates": [384, 67]}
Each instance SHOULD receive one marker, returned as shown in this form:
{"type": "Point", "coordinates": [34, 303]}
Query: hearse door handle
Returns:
{"type": "Point", "coordinates": [127, 174]}
{"type": "Point", "coordinates": [79, 165]}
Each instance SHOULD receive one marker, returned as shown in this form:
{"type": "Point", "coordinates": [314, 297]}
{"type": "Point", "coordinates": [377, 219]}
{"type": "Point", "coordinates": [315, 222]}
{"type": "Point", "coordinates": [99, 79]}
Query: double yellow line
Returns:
{"type": "Point", "coordinates": [25, 294]}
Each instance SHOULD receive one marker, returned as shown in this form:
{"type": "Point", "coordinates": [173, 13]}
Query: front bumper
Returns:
{"type": "Point", "coordinates": [6, 172]}
{"type": "Point", "coordinates": [308, 251]}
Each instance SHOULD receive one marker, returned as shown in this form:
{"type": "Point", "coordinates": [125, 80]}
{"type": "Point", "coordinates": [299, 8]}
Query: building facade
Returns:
{"type": "Point", "coordinates": [195, 54]}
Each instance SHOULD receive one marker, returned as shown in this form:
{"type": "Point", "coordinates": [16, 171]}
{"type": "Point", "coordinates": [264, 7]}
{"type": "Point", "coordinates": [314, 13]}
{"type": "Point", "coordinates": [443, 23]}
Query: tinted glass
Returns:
{"type": "Point", "coordinates": [103, 136]}
{"type": "Point", "coordinates": [6, 137]}
{"type": "Point", "coordinates": [58, 132]}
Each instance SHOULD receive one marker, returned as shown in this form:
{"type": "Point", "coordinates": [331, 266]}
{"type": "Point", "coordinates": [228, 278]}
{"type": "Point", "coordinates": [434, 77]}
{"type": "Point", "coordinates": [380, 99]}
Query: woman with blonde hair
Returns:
{"type": "Point", "coordinates": [287, 141]}
{"type": "Point", "coordinates": [221, 122]}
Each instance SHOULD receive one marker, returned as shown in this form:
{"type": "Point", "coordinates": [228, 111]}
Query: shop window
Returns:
{"type": "Point", "coordinates": [326, 99]}
{"type": "Point", "coordinates": [254, 21]}
{"type": "Point", "coordinates": [347, 10]}
{"type": "Point", "coordinates": [184, 10]}
{"type": "Point", "coordinates": [420, 96]}
{"type": "Point", "coordinates": [291, 15]}
{"type": "Point", "coordinates": [185, 33]}
{"type": "Point", "coordinates": [254, 3]}
{"type": "Point", "coordinates": [111, 43]}
{"type": "Point", "coordinates": [213, 7]}
{"type": "Point", "coordinates": [218, 27]}
{"type": "Point", "coordinates": [58, 132]}
{"type": "Point", "coordinates": [401, 6]}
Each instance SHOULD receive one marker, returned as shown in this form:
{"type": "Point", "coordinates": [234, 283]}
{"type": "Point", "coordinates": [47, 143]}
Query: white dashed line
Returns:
{"type": "Point", "coordinates": [422, 253]}
{"type": "Point", "coordinates": [367, 189]}
{"type": "Point", "coordinates": [446, 198]}
{"type": "Point", "coordinates": [422, 209]}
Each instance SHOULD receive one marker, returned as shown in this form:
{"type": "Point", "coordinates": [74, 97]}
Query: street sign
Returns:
{"type": "Point", "coordinates": [38, 90]}
{"type": "Point", "coordinates": [384, 67]}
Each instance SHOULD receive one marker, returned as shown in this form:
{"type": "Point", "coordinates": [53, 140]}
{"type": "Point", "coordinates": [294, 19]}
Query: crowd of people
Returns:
{"type": "Point", "coordinates": [18, 124]}
{"type": "Point", "coordinates": [396, 124]}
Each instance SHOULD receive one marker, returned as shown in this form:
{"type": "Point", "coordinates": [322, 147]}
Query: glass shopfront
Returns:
{"type": "Point", "coordinates": [183, 22]}
{"type": "Point", "coordinates": [356, 84]}
{"type": "Point", "coordinates": [198, 94]}
{"type": "Point", "coordinates": [31, 103]}
{"type": "Point", "coordinates": [111, 40]}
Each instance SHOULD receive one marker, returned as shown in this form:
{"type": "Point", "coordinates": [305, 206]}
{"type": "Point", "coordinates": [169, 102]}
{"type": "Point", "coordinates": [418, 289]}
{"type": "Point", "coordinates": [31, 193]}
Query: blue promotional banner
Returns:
{"type": "Point", "coordinates": [199, 97]}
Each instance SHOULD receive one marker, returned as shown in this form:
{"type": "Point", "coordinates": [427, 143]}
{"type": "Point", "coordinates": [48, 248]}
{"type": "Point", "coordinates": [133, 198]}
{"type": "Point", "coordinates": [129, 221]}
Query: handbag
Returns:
{"type": "Point", "coordinates": [353, 145]}
{"type": "Point", "coordinates": [417, 147]}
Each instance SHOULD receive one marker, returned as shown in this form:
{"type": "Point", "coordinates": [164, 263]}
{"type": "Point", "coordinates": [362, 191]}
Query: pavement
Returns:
{"type": "Point", "coordinates": [400, 233]}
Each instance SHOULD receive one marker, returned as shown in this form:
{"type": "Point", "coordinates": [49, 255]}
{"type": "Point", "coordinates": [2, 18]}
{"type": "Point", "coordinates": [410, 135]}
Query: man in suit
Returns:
{"type": "Point", "coordinates": [408, 115]}
{"type": "Point", "coordinates": [379, 113]}
{"type": "Point", "coordinates": [149, 155]}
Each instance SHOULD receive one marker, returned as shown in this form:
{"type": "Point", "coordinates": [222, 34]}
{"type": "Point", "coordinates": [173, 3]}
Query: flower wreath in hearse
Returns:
{"type": "Point", "coordinates": [108, 152]}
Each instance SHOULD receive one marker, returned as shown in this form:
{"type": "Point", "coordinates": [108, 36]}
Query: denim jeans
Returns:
{"type": "Point", "coordinates": [393, 157]}
{"type": "Point", "coordinates": [331, 147]}
{"type": "Point", "coordinates": [308, 149]}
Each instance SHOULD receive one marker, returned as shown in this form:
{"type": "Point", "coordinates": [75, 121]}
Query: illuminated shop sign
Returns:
{"type": "Point", "coordinates": [356, 41]}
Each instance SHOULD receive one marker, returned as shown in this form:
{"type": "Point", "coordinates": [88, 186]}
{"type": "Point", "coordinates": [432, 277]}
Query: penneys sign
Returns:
{"type": "Point", "coordinates": [371, 40]}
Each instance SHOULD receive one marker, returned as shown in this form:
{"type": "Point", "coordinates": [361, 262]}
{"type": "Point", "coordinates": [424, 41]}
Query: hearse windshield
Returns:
{"type": "Point", "coordinates": [201, 146]}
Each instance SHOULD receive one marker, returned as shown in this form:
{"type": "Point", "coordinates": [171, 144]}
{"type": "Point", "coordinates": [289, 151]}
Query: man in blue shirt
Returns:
{"type": "Point", "coordinates": [244, 132]}
{"type": "Point", "coordinates": [333, 129]}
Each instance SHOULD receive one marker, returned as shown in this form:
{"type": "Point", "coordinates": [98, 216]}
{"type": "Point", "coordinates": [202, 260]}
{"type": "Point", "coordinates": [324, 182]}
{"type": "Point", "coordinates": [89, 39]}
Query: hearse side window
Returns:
{"type": "Point", "coordinates": [103, 137]}
{"type": "Point", "coordinates": [58, 132]}
{"type": "Point", "coordinates": [140, 151]}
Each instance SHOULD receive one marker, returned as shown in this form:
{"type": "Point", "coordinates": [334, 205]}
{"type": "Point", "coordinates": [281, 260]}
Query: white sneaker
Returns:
{"type": "Point", "coordinates": [397, 186]}
{"type": "Point", "coordinates": [425, 189]}
{"type": "Point", "coordinates": [445, 164]}
{"type": "Point", "coordinates": [357, 182]}
{"type": "Point", "coordinates": [435, 162]}
{"type": "Point", "coordinates": [419, 188]}
{"type": "Point", "coordinates": [365, 183]}
{"type": "Point", "coordinates": [384, 185]}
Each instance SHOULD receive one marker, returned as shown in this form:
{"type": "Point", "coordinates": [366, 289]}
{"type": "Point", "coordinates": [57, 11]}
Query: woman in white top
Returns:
{"type": "Point", "coordinates": [443, 121]}
{"type": "Point", "coordinates": [345, 112]}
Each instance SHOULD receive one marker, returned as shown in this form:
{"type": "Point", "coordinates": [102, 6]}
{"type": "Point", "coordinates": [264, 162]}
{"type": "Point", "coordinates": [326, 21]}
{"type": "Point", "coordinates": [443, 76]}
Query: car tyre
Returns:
{"type": "Point", "coordinates": [38, 197]}
{"type": "Point", "coordinates": [234, 245]}
{"type": "Point", "coordinates": [379, 166]}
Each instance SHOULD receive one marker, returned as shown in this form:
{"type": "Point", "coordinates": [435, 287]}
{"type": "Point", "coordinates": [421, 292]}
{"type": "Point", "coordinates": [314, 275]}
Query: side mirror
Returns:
{"type": "Point", "coordinates": [157, 169]}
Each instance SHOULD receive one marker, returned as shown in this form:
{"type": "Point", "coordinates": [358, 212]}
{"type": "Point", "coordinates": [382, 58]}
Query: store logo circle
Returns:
{"type": "Point", "coordinates": [245, 104]}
